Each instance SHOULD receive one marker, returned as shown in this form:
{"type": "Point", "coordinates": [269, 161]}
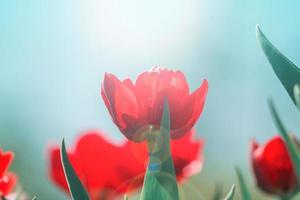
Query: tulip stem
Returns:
{"type": "Point", "coordinates": [151, 143]}
{"type": "Point", "coordinates": [152, 136]}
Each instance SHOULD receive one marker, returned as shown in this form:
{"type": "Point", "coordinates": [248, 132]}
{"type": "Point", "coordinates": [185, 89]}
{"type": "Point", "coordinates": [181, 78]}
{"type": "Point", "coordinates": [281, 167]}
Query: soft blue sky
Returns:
{"type": "Point", "coordinates": [53, 55]}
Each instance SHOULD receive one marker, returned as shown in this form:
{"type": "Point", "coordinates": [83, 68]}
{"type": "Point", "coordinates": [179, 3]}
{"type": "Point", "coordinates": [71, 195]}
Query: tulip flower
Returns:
{"type": "Point", "coordinates": [8, 180]}
{"type": "Point", "coordinates": [108, 170]}
{"type": "Point", "coordinates": [137, 108]}
{"type": "Point", "coordinates": [273, 168]}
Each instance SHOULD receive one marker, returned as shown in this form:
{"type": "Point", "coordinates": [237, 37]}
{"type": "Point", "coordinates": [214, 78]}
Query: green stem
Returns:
{"type": "Point", "coordinates": [151, 140]}
{"type": "Point", "coordinates": [160, 179]}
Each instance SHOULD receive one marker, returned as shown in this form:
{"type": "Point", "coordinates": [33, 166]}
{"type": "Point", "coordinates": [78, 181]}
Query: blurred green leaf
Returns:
{"type": "Point", "coordinates": [218, 192]}
{"type": "Point", "coordinates": [76, 187]}
{"type": "Point", "coordinates": [289, 143]}
{"type": "Point", "coordinates": [297, 95]}
{"type": "Point", "coordinates": [231, 193]}
{"type": "Point", "coordinates": [243, 187]}
{"type": "Point", "coordinates": [153, 189]}
{"type": "Point", "coordinates": [287, 72]}
{"type": "Point", "coordinates": [160, 179]}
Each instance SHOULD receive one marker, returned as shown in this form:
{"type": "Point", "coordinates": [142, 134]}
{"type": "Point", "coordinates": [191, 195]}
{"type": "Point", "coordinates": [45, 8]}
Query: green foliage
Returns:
{"type": "Point", "coordinates": [153, 189]}
{"type": "Point", "coordinates": [230, 195]}
{"type": "Point", "coordinates": [160, 179]}
{"type": "Point", "coordinates": [287, 72]}
{"type": "Point", "coordinates": [297, 95]}
{"type": "Point", "coordinates": [245, 194]}
{"type": "Point", "coordinates": [218, 192]}
{"type": "Point", "coordinates": [289, 75]}
{"type": "Point", "coordinates": [289, 143]}
{"type": "Point", "coordinates": [77, 189]}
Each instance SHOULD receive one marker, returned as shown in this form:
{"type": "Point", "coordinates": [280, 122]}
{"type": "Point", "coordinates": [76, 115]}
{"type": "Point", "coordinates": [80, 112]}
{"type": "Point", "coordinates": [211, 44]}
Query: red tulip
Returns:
{"type": "Point", "coordinates": [137, 108]}
{"type": "Point", "coordinates": [8, 180]}
{"type": "Point", "coordinates": [108, 170]}
{"type": "Point", "coordinates": [273, 167]}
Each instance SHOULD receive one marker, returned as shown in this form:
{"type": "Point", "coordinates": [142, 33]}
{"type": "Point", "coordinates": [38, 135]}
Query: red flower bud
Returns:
{"type": "Point", "coordinates": [273, 167]}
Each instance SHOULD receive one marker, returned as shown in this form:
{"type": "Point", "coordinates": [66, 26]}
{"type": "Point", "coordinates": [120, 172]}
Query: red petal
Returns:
{"type": "Point", "coordinates": [7, 183]}
{"type": "Point", "coordinates": [5, 161]}
{"type": "Point", "coordinates": [173, 79]}
{"type": "Point", "coordinates": [254, 145]}
{"type": "Point", "coordinates": [194, 108]}
{"type": "Point", "coordinates": [130, 176]}
{"type": "Point", "coordinates": [145, 91]}
{"type": "Point", "coordinates": [96, 156]}
{"type": "Point", "coordinates": [153, 87]}
{"type": "Point", "coordinates": [93, 161]}
{"type": "Point", "coordinates": [128, 83]}
{"type": "Point", "coordinates": [119, 100]}
{"type": "Point", "coordinates": [187, 155]}
{"type": "Point", "coordinates": [56, 172]}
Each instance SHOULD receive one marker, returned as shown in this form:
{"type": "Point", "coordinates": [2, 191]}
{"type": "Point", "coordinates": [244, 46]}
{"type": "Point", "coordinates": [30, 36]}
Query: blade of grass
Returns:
{"type": "Point", "coordinates": [230, 195]}
{"type": "Point", "coordinates": [287, 72]}
{"type": "Point", "coordinates": [153, 189]}
{"type": "Point", "coordinates": [245, 194]}
{"type": "Point", "coordinates": [77, 189]}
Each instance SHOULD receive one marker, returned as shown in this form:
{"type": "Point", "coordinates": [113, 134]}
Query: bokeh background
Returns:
{"type": "Point", "coordinates": [53, 55]}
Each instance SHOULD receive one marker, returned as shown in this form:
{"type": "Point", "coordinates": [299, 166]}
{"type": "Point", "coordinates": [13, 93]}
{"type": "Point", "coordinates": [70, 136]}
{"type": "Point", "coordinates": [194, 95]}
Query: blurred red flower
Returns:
{"type": "Point", "coordinates": [108, 170]}
{"type": "Point", "coordinates": [136, 108]}
{"type": "Point", "coordinates": [8, 180]}
{"type": "Point", "coordinates": [273, 167]}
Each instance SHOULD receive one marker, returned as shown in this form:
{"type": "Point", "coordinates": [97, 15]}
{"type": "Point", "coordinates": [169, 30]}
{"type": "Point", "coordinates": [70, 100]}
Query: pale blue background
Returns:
{"type": "Point", "coordinates": [53, 55]}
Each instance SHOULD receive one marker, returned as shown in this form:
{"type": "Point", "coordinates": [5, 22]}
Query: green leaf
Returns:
{"type": "Point", "coordinates": [76, 187]}
{"type": "Point", "coordinates": [289, 143]}
{"type": "Point", "coordinates": [218, 192]}
{"type": "Point", "coordinates": [153, 189]}
{"type": "Point", "coordinates": [231, 193]}
{"type": "Point", "coordinates": [297, 95]}
{"type": "Point", "coordinates": [287, 72]}
{"type": "Point", "coordinates": [243, 187]}
{"type": "Point", "coordinates": [160, 179]}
